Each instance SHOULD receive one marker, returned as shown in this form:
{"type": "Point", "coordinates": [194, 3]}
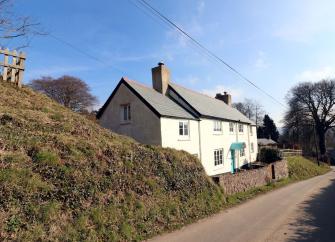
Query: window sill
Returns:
{"type": "Point", "coordinates": [217, 133]}
{"type": "Point", "coordinates": [184, 139]}
{"type": "Point", "coordinates": [218, 167]}
{"type": "Point", "coordinates": [125, 123]}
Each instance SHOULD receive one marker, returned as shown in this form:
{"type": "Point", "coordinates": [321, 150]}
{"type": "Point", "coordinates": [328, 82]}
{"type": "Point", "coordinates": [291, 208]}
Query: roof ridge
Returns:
{"type": "Point", "coordinates": [203, 94]}
{"type": "Point", "coordinates": [135, 82]}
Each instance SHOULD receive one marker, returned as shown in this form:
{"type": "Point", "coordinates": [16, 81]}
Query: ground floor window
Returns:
{"type": "Point", "coordinates": [218, 157]}
{"type": "Point", "coordinates": [242, 152]}
{"type": "Point", "coordinates": [183, 128]}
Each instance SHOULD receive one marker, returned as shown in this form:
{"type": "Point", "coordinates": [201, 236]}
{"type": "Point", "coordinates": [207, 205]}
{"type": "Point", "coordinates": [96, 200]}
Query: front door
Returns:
{"type": "Point", "coordinates": [232, 161]}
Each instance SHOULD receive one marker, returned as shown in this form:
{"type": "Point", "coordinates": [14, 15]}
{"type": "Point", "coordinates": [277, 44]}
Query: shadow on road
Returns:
{"type": "Point", "coordinates": [318, 220]}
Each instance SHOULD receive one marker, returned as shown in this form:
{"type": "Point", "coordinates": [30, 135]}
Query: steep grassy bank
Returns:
{"type": "Point", "coordinates": [301, 168]}
{"type": "Point", "coordinates": [64, 178]}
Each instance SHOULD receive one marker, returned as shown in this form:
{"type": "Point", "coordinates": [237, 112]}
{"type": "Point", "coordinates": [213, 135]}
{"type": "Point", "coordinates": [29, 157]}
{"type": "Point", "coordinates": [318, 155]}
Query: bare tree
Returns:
{"type": "Point", "coordinates": [66, 90]}
{"type": "Point", "coordinates": [251, 109]}
{"type": "Point", "coordinates": [15, 27]}
{"type": "Point", "coordinates": [312, 104]}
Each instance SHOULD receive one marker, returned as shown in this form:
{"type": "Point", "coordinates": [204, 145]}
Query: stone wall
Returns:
{"type": "Point", "coordinates": [247, 179]}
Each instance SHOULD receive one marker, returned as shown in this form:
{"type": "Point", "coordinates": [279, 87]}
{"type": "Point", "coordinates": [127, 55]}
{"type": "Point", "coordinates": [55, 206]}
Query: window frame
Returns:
{"type": "Point", "coordinates": [242, 154]}
{"type": "Point", "coordinates": [252, 148]}
{"type": "Point", "coordinates": [218, 157]}
{"type": "Point", "coordinates": [183, 135]}
{"type": "Point", "coordinates": [125, 113]}
{"type": "Point", "coordinates": [240, 128]}
{"type": "Point", "coordinates": [217, 129]}
{"type": "Point", "coordinates": [251, 131]}
{"type": "Point", "coordinates": [231, 127]}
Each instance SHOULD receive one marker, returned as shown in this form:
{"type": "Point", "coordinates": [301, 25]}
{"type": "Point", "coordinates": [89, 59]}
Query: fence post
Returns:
{"type": "Point", "coordinates": [5, 65]}
{"type": "Point", "coordinates": [22, 59]}
{"type": "Point", "coordinates": [13, 69]}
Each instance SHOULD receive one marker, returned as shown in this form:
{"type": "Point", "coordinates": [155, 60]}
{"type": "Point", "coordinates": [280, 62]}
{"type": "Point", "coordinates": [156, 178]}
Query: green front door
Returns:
{"type": "Point", "coordinates": [232, 161]}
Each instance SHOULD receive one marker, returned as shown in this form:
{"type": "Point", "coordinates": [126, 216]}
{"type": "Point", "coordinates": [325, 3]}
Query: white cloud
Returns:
{"type": "Point", "coordinates": [261, 61]}
{"type": "Point", "coordinates": [317, 74]}
{"type": "Point", "coordinates": [235, 93]}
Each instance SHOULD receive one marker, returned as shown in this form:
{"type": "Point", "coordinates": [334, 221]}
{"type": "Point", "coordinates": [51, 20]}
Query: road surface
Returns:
{"type": "Point", "coordinates": [303, 211]}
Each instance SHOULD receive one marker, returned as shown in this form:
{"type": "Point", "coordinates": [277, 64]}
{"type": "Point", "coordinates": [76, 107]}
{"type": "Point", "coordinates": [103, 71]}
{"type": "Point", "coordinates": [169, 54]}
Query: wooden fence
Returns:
{"type": "Point", "coordinates": [12, 66]}
{"type": "Point", "coordinates": [290, 152]}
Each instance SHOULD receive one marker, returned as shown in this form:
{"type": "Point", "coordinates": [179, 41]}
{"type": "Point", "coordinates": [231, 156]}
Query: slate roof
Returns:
{"type": "Point", "coordinates": [266, 142]}
{"type": "Point", "coordinates": [208, 106]}
{"type": "Point", "coordinates": [164, 105]}
{"type": "Point", "coordinates": [158, 103]}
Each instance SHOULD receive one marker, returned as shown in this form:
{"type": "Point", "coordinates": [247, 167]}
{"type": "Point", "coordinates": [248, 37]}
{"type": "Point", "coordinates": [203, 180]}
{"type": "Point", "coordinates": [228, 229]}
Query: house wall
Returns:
{"type": "Point", "coordinates": [211, 141]}
{"type": "Point", "coordinates": [253, 139]}
{"type": "Point", "coordinates": [248, 138]}
{"type": "Point", "coordinates": [171, 138]}
{"type": "Point", "coordinates": [144, 125]}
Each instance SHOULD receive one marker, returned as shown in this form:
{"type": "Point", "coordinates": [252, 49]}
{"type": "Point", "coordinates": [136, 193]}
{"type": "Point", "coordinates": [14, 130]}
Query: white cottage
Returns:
{"type": "Point", "coordinates": [172, 116]}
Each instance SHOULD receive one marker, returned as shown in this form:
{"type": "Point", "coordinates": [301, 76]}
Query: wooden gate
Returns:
{"type": "Point", "coordinates": [12, 66]}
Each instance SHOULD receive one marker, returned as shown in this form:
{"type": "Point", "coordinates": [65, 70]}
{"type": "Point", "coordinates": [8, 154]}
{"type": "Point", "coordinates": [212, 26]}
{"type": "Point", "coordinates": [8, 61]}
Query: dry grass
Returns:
{"type": "Point", "coordinates": [65, 178]}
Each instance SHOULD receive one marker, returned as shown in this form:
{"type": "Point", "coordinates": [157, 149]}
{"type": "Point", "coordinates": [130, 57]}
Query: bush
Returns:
{"type": "Point", "coordinates": [269, 155]}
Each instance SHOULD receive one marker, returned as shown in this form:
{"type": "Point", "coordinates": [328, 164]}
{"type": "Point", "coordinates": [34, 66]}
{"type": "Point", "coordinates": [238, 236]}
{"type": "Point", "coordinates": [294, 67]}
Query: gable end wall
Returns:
{"type": "Point", "coordinates": [144, 125]}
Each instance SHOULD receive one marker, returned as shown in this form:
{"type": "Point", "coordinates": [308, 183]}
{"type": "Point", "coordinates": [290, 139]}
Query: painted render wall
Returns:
{"type": "Point", "coordinates": [144, 125]}
{"type": "Point", "coordinates": [211, 141]}
{"type": "Point", "coordinates": [171, 138]}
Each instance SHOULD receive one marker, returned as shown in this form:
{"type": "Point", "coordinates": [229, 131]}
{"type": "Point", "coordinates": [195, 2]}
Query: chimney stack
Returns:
{"type": "Point", "coordinates": [160, 78]}
{"type": "Point", "coordinates": [225, 98]}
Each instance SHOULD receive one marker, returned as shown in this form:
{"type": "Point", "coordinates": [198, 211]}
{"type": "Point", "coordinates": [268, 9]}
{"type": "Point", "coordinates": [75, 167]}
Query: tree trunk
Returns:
{"type": "Point", "coordinates": [322, 142]}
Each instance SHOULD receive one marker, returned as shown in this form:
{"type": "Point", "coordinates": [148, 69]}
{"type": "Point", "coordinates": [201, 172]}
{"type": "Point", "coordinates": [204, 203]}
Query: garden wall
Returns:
{"type": "Point", "coordinates": [247, 179]}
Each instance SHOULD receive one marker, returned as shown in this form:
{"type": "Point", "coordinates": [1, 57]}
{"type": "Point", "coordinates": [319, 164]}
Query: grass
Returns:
{"type": "Point", "coordinates": [64, 178]}
{"type": "Point", "coordinates": [301, 168]}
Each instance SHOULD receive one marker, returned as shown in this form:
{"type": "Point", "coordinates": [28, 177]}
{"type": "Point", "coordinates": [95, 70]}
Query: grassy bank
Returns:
{"type": "Point", "coordinates": [299, 168]}
{"type": "Point", "coordinates": [64, 178]}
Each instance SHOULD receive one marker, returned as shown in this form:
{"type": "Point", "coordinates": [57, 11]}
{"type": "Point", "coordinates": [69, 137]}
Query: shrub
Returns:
{"type": "Point", "coordinates": [269, 155]}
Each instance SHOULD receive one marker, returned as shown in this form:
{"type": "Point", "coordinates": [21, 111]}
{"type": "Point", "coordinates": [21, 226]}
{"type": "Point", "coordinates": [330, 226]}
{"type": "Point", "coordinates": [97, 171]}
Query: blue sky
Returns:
{"type": "Point", "coordinates": [274, 43]}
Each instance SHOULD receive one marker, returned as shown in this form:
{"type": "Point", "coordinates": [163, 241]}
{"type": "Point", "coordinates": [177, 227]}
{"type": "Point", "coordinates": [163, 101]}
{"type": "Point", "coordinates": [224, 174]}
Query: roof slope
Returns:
{"type": "Point", "coordinates": [158, 103]}
{"type": "Point", "coordinates": [208, 106]}
{"type": "Point", "coordinates": [161, 103]}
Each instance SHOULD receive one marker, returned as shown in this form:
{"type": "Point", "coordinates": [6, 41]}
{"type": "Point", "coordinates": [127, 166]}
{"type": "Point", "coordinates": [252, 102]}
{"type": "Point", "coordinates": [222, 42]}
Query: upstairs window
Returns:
{"type": "Point", "coordinates": [125, 113]}
{"type": "Point", "coordinates": [217, 126]}
{"type": "Point", "coordinates": [183, 128]}
{"type": "Point", "coordinates": [218, 157]}
{"type": "Point", "coordinates": [231, 127]}
{"type": "Point", "coordinates": [242, 152]}
{"type": "Point", "coordinates": [251, 132]}
{"type": "Point", "coordinates": [252, 147]}
{"type": "Point", "coordinates": [240, 128]}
